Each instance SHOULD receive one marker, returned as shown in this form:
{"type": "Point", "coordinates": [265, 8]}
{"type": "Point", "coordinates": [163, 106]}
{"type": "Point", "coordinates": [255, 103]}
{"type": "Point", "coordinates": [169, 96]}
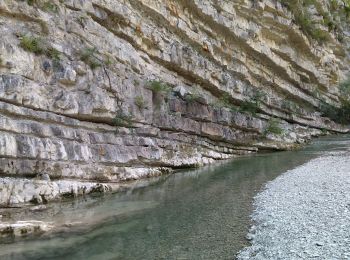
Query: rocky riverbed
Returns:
{"type": "Point", "coordinates": [304, 213]}
{"type": "Point", "coordinates": [62, 206]}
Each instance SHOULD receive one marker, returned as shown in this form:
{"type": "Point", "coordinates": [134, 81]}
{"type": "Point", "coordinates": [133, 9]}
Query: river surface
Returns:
{"type": "Point", "coordinates": [194, 214]}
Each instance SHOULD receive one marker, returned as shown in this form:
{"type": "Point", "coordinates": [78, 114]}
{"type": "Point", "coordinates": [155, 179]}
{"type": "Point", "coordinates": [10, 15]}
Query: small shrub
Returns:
{"type": "Point", "coordinates": [319, 35]}
{"type": "Point", "coordinates": [50, 7]}
{"type": "Point", "coordinates": [122, 119]}
{"type": "Point", "coordinates": [159, 87]}
{"type": "Point", "coordinates": [53, 54]}
{"type": "Point", "coordinates": [108, 61]}
{"type": "Point", "coordinates": [32, 2]}
{"type": "Point", "coordinates": [328, 110]}
{"type": "Point", "coordinates": [324, 131]}
{"type": "Point", "coordinates": [140, 102]}
{"type": "Point", "coordinates": [339, 115]}
{"type": "Point", "coordinates": [87, 55]}
{"type": "Point", "coordinates": [273, 127]}
{"type": "Point", "coordinates": [249, 107]}
{"type": "Point", "coordinates": [289, 105]}
{"type": "Point", "coordinates": [47, 6]}
{"type": "Point", "coordinates": [302, 18]}
{"type": "Point", "coordinates": [252, 105]}
{"type": "Point", "coordinates": [258, 96]}
{"type": "Point", "coordinates": [344, 87]}
{"type": "Point", "coordinates": [38, 46]}
{"type": "Point", "coordinates": [90, 57]}
{"type": "Point", "coordinates": [32, 44]}
{"type": "Point", "coordinates": [225, 101]}
{"type": "Point", "coordinates": [136, 83]}
{"type": "Point", "coordinates": [193, 97]}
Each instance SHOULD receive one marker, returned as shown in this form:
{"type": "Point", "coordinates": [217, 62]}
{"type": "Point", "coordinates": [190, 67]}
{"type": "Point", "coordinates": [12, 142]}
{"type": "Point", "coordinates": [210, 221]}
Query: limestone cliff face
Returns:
{"type": "Point", "coordinates": [114, 90]}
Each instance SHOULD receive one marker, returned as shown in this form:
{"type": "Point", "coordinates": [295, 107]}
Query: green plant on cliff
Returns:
{"type": "Point", "coordinates": [92, 57]}
{"type": "Point", "coordinates": [39, 46]}
{"type": "Point", "coordinates": [122, 119]}
{"type": "Point", "coordinates": [339, 115]}
{"type": "Point", "coordinates": [252, 105]}
{"type": "Point", "coordinates": [54, 54]}
{"type": "Point", "coordinates": [140, 102]}
{"type": "Point", "coordinates": [225, 100]}
{"type": "Point", "coordinates": [160, 90]}
{"type": "Point", "coordinates": [32, 44]}
{"type": "Point", "coordinates": [157, 86]}
{"type": "Point", "coordinates": [333, 19]}
{"type": "Point", "coordinates": [249, 107]}
{"type": "Point", "coordinates": [47, 6]}
{"type": "Point", "coordinates": [344, 88]}
{"type": "Point", "coordinates": [193, 97]}
{"type": "Point", "coordinates": [89, 56]}
{"type": "Point", "coordinates": [289, 105]}
{"type": "Point", "coordinates": [32, 2]}
{"type": "Point", "coordinates": [273, 127]}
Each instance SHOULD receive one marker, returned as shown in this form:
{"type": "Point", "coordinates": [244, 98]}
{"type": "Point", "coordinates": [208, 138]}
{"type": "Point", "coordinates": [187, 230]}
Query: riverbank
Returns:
{"type": "Point", "coordinates": [193, 214]}
{"type": "Point", "coordinates": [304, 213]}
{"type": "Point", "coordinates": [72, 209]}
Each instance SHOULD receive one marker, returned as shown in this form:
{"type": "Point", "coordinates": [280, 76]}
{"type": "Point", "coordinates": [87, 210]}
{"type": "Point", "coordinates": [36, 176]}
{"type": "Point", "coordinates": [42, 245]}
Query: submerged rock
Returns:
{"type": "Point", "coordinates": [24, 228]}
{"type": "Point", "coordinates": [23, 191]}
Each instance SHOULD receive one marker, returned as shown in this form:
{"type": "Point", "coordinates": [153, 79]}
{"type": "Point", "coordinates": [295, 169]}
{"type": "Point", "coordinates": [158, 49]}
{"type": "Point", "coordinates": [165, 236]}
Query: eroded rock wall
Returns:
{"type": "Point", "coordinates": [118, 90]}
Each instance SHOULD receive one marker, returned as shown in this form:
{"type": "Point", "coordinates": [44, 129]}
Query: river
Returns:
{"type": "Point", "coordinates": [193, 214]}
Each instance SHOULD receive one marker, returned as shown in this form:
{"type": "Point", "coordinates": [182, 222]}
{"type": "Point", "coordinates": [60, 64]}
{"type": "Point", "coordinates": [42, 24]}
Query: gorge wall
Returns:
{"type": "Point", "coordinates": [114, 90]}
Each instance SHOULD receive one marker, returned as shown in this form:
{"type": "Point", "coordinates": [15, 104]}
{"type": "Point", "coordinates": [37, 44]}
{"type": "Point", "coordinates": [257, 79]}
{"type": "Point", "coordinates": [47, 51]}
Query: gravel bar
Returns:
{"type": "Point", "coordinates": [304, 213]}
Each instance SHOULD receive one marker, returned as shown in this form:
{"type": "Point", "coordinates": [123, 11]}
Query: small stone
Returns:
{"type": "Point", "coordinates": [68, 77]}
{"type": "Point", "coordinates": [80, 68]}
{"type": "Point", "coordinates": [181, 91]}
{"type": "Point", "coordinates": [9, 65]}
{"type": "Point", "coordinates": [43, 177]}
{"type": "Point", "coordinates": [38, 208]}
{"type": "Point", "coordinates": [47, 66]}
{"type": "Point", "coordinates": [36, 199]}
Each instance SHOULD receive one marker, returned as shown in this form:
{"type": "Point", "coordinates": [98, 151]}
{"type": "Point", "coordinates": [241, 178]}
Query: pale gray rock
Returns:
{"type": "Point", "coordinates": [68, 76]}
{"type": "Point", "coordinates": [43, 176]}
{"type": "Point", "coordinates": [88, 104]}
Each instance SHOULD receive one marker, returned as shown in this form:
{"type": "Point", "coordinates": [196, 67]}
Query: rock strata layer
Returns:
{"type": "Point", "coordinates": [111, 91]}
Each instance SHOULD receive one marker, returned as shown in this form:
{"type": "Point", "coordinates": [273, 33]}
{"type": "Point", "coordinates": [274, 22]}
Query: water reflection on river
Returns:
{"type": "Point", "coordinates": [196, 214]}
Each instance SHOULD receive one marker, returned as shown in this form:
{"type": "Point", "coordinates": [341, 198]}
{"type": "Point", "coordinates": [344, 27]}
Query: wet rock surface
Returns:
{"type": "Point", "coordinates": [304, 213]}
{"type": "Point", "coordinates": [23, 228]}
{"type": "Point", "coordinates": [24, 191]}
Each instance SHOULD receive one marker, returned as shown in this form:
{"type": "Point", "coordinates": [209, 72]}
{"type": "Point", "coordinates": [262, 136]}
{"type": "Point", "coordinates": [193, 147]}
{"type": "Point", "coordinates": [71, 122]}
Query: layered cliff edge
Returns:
{"type": "Point", "coordinates": [106, 91]}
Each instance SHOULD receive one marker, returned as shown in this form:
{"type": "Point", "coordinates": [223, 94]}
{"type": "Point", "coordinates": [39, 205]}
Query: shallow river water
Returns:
{"type": "Point", "coordinates": [194, 214]}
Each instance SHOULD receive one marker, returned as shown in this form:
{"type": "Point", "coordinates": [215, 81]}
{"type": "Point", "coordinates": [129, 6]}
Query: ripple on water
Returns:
{"type": "Point", "coordinates": [197, 214]}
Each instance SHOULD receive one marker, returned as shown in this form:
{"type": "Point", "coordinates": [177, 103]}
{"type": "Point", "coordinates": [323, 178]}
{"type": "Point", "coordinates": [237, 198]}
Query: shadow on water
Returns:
{"type": "Point", "coordinates": [197, 214]}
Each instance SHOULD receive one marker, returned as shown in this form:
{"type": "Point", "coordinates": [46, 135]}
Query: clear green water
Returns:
{"type": "Point", "coordinates": [196, 214]}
